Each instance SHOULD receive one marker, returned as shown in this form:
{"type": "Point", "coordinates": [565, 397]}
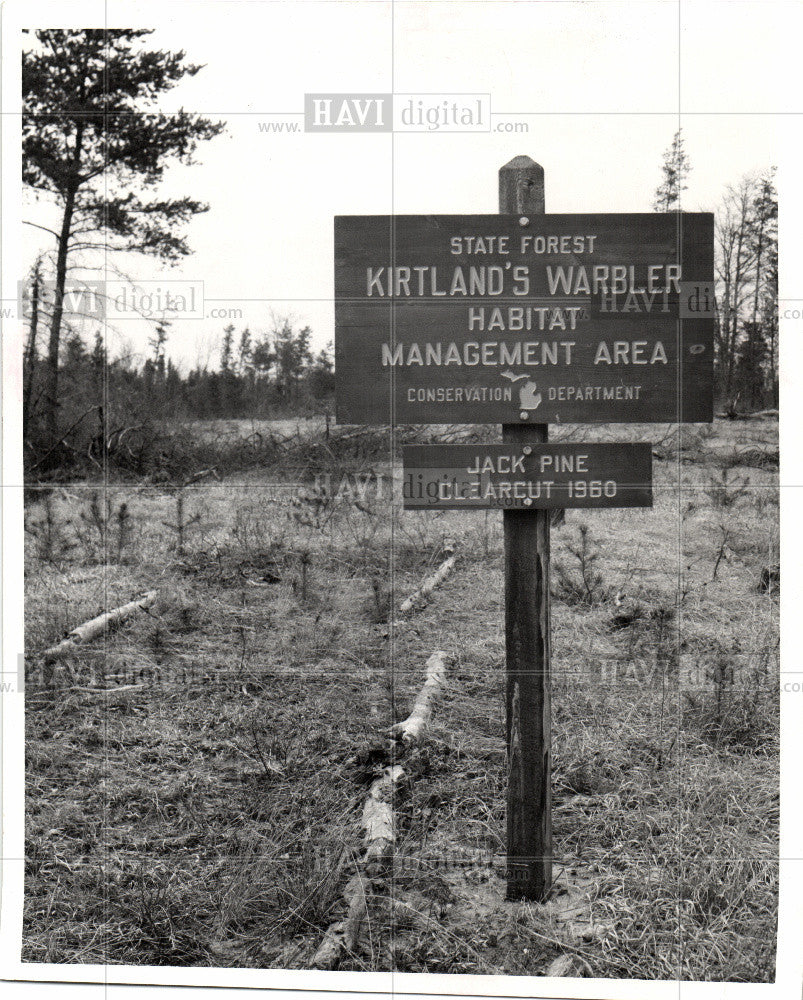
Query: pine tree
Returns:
{"type": "Point", "coordinates": [751, 363]}
{"type": "Point", "coordinates": [30, 361]}
{"type": "Point", "coordinates": [227, 349]}
{"type": "Point", "coordinates": [292, 351]}
{"type": "Point", "coordinates": [676, 168]}
{"type": "Point", "coordinates": [91, 138]}
{"type": "Point", "coordinates": [320, 376]}
{"type": "Point", "coordinates": [228, 375]}
{"type": "Point", "coordinates": [157, 343]}
{"type": "Point", "coordinates": [244, 353]}
{"type": "Point", "coordinates": [98, 356]}
{"type": "Point", "coordinates": [97, 360]}
{"type": "Point", "coordinates": [263, 357]}
{"type": "Point", "coordinates": [763, 328]}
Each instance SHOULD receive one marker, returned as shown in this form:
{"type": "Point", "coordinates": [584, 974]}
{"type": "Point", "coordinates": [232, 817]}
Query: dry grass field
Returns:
{"type": "Point", "coordinates": [195, 779]}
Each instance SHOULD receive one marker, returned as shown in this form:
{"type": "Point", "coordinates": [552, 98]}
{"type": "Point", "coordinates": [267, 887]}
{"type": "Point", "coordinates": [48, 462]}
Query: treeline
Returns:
{"type": "Point", "coordinates": [746, 263]}
{"type": "Point", "coordinates": [275, 372]}
{"type": "Point", "coordinates": [746, 280]}
{"type": "Point", "coordinates": [106, 403]}
{"type": "Point", "coordinates": [258, 377]}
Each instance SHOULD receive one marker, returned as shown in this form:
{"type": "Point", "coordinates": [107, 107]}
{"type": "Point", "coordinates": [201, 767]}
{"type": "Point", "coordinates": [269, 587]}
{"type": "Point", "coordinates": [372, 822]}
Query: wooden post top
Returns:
{"type": "Point", "coordinates": [521, 187]}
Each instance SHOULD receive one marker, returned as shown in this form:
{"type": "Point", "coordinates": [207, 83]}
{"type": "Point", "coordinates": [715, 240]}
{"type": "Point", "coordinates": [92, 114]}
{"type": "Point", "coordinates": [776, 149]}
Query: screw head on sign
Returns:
{"type": "Point", "coordinates": [527, 450]}
{"type": "Point", "coordinates": [524, 415]}
{"type": "Point", "coordinates": [527, 501]}
{"type": "Point", "coordinates": [524, 221]}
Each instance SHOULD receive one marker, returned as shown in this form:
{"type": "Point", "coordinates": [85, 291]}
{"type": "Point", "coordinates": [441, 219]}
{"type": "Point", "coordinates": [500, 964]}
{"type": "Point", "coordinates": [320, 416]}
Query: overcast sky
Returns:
{"type": "Point", "coordinates": [602, 87]}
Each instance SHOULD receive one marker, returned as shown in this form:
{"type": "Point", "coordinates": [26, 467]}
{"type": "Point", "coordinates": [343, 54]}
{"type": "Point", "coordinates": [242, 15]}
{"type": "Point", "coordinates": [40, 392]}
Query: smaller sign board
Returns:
{"type": "Point", "coordinates": [516, 477]}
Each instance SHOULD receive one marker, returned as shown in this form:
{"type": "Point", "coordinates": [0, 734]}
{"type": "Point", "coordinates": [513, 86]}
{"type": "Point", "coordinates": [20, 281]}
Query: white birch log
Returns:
{"type": "Point", "coordinates": [377, 820]}
{"type": "Point", "coordinates": [328, 954]}
{"type": "Point", "coordinates": [431, 583]}
{"type": "Point", "coordinates": [97, 626]}
{"type": "Point", "coordinates": [343, 935]}
{"type": "Point", "coordinates": [416, 722]}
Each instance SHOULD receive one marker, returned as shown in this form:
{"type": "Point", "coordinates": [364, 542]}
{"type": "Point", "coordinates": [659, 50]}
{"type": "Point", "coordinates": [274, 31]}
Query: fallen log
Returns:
{"type": "Point", "coordinates": [411, 730]}
{"type": "Point", "coordinates": [432, 582]}
{"type": "Point", "coordinates": [748, 415]}
{"type": "Point", "coordinates": [97, 626]}
{"type": "Point", "coordinates": [343, 935]}
{"type": "Point", "coordinates": [566, 965]}
{"type": "Point", "coordinates": [197, 477]}
{"type": "Point", "coordinates": [377, 820]}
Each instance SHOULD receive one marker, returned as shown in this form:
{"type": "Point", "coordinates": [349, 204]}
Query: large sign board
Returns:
{"type": "Point", "coordinates": [509, 319]}
{"type": "Point", "coordinates": [515, 477]}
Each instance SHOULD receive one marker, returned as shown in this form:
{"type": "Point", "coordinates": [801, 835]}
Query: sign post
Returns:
{"type": "Point", "coordinates": [527, 631]}
{"type": "Point", "coordinates": [525, 319]}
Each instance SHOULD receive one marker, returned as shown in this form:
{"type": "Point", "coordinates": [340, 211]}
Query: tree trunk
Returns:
{"type": "Point", "coordinates": [30, 354]}
{"type": "Point", "coordinates": [758, 382]}
{"type": "Point", "coordinates": [774, 364]}
{"type": "Point", "coordinates": [52, 384]}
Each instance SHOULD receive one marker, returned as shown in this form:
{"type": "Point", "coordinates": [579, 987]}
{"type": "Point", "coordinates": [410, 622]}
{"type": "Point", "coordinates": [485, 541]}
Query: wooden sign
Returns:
{"type": "Point", "coordinates": [524, 319]}
{"type": "Point", "coordinates": [526, 477]}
